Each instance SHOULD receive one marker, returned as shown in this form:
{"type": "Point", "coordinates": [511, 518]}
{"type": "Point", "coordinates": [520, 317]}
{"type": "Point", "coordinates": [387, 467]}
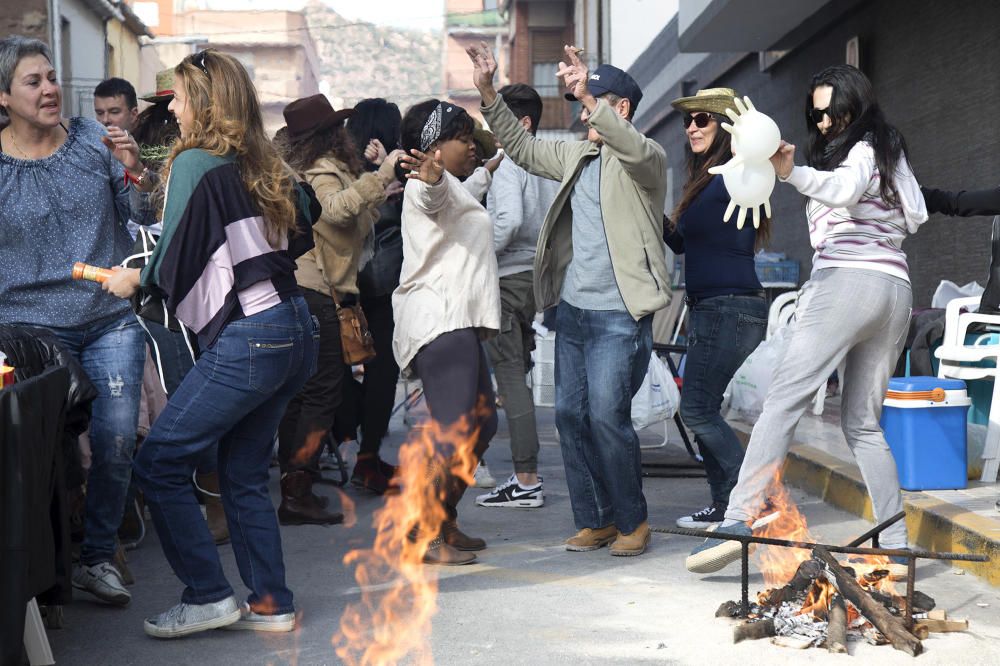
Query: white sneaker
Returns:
{"type": "Point", "coordinates": [184, 619]}
{"type": "Point", "coordinates": [257, 622]}
{"type": "Point", "coordinates": [513, 495]}
{"type": "Point", "coordinates": [103, 581]}
{"type": "Point", "coordinates": [483, 478]}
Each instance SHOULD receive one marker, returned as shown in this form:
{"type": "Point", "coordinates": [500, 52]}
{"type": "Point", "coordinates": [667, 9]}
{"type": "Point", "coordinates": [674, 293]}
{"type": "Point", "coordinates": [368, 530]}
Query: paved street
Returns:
{"type": "Point", "coordinates": [528, 601]}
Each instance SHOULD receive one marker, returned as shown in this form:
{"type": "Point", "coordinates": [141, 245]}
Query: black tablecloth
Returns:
{"type": "Point", "coordinates": [35, 549]}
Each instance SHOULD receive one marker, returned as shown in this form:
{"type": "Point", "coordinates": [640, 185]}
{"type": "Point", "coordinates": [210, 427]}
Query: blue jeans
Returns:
{"type": "Point", "coordinates": [112, 353]}
{"type": "Point", "coordinates": [601, 360]}
{"type": "Point", "coordinates": [722, 331]}
{"type": "Point", "coordinates": [234, 397]}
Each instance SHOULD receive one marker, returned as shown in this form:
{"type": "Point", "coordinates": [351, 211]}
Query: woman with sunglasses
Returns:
{"type": "Point", "coordinates": [233, 225]}
{"type": "Point", "coordinates": [727, 315]}
{"type": "Point", "coordinates": [855, 308]}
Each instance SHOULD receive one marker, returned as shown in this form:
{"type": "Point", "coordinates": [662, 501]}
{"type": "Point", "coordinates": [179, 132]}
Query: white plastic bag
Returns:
{"type": "Point", "coordinates": [749, 385]}
{"type": "Point", "coordinates": [948, 290]}
{"type": "Point", "coordinates": [658, 397]}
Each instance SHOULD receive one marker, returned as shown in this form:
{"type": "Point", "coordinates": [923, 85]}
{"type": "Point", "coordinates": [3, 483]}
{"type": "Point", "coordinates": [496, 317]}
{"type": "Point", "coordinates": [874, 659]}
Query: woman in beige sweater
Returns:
{"type": "Point", "coordinates": [319, 148]}
{"type": "Point", "coordinates": [448, 298]}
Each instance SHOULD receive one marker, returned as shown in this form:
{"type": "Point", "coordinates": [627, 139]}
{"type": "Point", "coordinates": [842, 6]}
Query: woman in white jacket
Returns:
{"type": "Point", "coordinates": [448, 299]}
{"type": "Point", "coordinates": [855, 308]}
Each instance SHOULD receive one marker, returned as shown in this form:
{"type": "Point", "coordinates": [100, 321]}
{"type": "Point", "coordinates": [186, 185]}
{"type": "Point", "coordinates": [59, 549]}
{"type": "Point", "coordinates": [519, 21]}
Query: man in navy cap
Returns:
{"type": "Point", "coordinates": [600, 259]}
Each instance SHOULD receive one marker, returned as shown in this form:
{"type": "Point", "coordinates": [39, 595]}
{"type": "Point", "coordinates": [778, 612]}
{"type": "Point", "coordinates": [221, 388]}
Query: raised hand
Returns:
{"type": "Point", "coordinates": [575, 74]}
{"type": "Point", "coordinates": [387, 169]}
{"type": "Point", "coordinates": [422, 166]}
{"type": "Point", "coordinates": [494, 162]}
{"type": "Point", "coordinates": [484, 68]}
{"type": "Point", "coordinates": [123, 148]}
{"type": "Point", "coordinates": [783, 160]}
{"type": "Point", "coordinates": [375, 152]}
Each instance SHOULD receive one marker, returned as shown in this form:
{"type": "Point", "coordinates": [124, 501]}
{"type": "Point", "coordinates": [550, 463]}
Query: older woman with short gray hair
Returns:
{"type": "Point", "coordinates": [66, 197]}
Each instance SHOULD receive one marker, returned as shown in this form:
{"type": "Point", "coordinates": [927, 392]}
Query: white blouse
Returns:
{"type": "Point", "coordinates": [449, 278]}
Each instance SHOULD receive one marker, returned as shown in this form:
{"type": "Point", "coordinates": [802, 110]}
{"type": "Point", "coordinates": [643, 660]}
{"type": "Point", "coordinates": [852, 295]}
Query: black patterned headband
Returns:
{"type": "Point", "coordinates": [436, 122]}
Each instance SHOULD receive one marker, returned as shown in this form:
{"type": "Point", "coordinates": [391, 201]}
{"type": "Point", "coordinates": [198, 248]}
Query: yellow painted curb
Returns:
{"type": "Point", "coordinates": [932, 523]}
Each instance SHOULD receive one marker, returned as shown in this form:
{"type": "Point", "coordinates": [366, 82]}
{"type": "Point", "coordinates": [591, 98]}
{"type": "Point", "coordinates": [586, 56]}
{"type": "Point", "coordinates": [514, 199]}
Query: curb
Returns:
{"type": "Point", "coordinates": [933, 524]}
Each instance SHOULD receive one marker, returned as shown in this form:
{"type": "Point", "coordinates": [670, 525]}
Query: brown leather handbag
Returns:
{"type": "Point", "coordinates": [356, 341]}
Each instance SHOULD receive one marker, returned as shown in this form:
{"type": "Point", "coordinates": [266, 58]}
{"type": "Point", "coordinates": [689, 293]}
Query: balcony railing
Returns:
{"type": "Point", "coordinates": [485, 19]}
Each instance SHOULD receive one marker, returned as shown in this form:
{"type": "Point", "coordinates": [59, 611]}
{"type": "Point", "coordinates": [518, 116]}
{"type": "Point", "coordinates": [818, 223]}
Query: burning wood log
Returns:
{"type": "Point", "coordinates": [752, 631]}
{"type": "Point", "coordinates": [836, 628]}
{"type": "Point", "coordinates": [885, 622]}
{"type": "Point", "coordinates": [804, 576]}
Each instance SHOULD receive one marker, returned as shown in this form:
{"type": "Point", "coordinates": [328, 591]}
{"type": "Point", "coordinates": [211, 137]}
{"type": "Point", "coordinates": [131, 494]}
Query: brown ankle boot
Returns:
{"type": "Point", "coordinates": [438, 552]}
{"type": "Point", "coordinates": [214, 513]}
{"type": "Point", "coordinates": [298, 505]}
{"type": "Point", "coordinates": [456, 538]}
{"type": "Point", "coordinates": [633, 543]}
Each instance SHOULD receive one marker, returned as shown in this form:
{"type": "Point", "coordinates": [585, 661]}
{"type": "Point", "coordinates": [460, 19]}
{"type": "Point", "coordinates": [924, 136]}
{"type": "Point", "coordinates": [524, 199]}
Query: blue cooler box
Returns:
{"type": "Point", "coordinates": [923, 419]}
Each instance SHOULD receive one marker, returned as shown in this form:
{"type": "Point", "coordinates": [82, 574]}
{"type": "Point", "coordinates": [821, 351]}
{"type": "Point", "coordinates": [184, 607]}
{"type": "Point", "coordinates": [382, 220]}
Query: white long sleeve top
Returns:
{"type": "Point", "coordinates": [449, 277]}
{"type": "Point", "coordinates": [850, 226]}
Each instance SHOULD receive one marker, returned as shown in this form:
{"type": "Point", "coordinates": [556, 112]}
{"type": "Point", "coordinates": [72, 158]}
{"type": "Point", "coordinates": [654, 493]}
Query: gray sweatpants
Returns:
{"type": "Point", "coordinates": [510, 354]}
{"type": "Point", "coordinates": [842, 313]}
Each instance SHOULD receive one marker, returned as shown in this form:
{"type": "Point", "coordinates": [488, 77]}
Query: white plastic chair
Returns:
{"type": "Point", "coordinates": [954, 353]}
{"type": "Point", "coordinates": [36, 641]}
{"type": "Point", "coordinates": [781, 314]}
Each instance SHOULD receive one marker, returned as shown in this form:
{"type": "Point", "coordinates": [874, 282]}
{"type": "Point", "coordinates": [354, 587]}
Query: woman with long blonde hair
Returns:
{"type": "Point", "coordinates": [233, 225]}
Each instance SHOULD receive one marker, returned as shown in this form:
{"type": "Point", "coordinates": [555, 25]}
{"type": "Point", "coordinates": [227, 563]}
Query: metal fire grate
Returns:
{"type": "Point", "coordinates": [853, 548]}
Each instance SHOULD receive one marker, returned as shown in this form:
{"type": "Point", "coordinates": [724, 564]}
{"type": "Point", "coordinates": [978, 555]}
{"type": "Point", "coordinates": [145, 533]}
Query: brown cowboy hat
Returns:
{"type": "Point", "coordinates": [309, 115]}
{"type": "Point", "coordinates": [164, 87]}
{"type": "Point", "coordinates": [709, 100]}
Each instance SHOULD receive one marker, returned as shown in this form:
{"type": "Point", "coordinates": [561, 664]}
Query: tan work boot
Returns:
{"type": "Point", "coordinates": [215, 515]}
{"type": "Point", "coordinates": [630, 545]}
{"type": "Point", "coordinates": [591, 539]}
{"type": "Point", "coordinates": [440, 553]}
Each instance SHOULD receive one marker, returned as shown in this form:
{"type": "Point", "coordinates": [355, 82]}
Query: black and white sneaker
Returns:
{"type": "Point", "coordinates": [710, 516]}
{"type": "Point", "coordinates": [513, 494]}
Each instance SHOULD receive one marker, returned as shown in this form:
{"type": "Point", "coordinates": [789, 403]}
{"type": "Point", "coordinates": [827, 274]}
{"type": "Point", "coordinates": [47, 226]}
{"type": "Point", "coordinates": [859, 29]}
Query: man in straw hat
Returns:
{"type": "Point", "coordinates": [600, 258]}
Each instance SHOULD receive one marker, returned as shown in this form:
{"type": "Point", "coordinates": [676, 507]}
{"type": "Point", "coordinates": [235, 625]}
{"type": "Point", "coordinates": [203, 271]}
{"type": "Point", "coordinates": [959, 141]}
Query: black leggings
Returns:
{"type": "Point", "coordinates": [456, 379]}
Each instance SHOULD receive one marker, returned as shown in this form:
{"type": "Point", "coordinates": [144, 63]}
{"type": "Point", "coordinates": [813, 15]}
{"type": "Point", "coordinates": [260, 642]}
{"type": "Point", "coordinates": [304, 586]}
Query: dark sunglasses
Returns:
{"type": "Point", "coordinates": [199, 62]}
{"type": "Point", "coordinates": [700, 120]}
{"type": "Point", "coordinates": [816, 115]}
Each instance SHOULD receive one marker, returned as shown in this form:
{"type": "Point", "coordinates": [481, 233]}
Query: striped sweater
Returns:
{"type": "Point", "coordinates": [213, 264]}
{"type": "Point", "coordinates": [850, 226]}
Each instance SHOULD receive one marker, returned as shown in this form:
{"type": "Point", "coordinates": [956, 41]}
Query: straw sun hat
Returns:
{"type": "Point", "coordinates": [710, 100]}
{"type": "Point", "coordinates": [164, 87]}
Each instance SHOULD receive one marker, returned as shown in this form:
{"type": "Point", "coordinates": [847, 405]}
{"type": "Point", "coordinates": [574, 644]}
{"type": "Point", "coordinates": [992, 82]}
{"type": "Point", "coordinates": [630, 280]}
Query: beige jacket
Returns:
{"type": "Point", "coordinates": [449, 279]}
{"type": "Point", "coordinates": [350, 210]}
{"type": "Point", "coordinates": [633, 189]}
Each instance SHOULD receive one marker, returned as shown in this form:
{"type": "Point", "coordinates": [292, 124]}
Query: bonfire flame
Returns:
{"type": "Point", "coordinates": [818, 600]}
{"type": "Point", "coordinates": [779, 564]}
{"type": "Point", "coordinates": [392, 620]}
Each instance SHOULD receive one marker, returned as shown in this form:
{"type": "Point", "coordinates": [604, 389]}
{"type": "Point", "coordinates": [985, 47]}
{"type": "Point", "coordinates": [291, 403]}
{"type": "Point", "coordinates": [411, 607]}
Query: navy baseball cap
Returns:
{"type": "Point", "coordinates": [610, 79]}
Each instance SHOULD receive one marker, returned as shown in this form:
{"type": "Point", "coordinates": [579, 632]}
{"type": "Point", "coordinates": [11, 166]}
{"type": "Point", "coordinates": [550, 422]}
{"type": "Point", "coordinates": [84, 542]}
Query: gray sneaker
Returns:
{"type": "Point", "coordinates": [184, 619]}
{"type": "Point", "coordinates": [103, 581]}
{"type": "Point", "coordinates": [256, 622]}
